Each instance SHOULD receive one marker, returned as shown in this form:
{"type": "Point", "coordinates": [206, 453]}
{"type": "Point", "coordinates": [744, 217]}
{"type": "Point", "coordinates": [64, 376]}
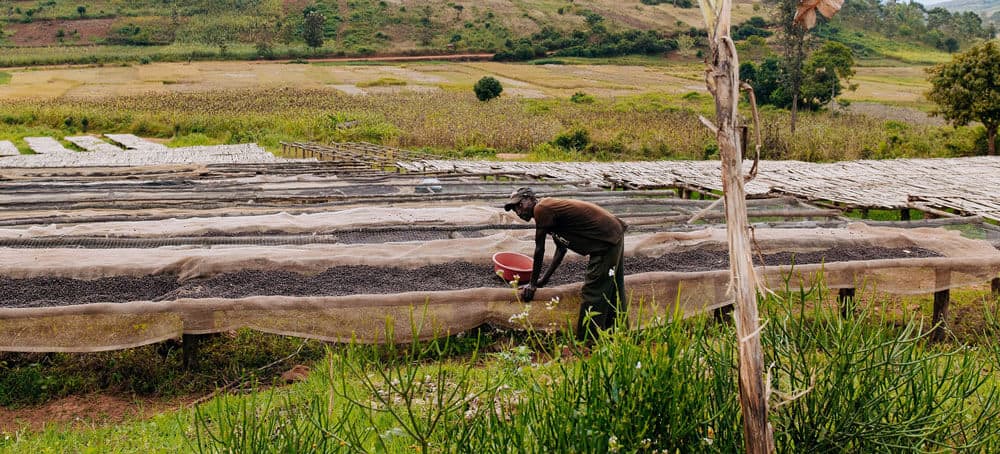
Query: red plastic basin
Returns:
{"type": "Point", "coordinates": [513, 266]}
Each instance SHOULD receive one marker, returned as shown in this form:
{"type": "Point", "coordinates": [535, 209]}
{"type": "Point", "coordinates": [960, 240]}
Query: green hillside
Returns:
{"type": "Point", "coordinates": [988, 9]}
{"type": "Point", "coordinates": [99, 31]}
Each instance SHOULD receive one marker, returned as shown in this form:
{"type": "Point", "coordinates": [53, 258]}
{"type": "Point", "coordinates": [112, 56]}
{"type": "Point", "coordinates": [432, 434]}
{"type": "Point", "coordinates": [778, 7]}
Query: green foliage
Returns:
{"type": "Point", "coordinates": [862, 385]}
{"type": "Point", "coordinates": [576, 139]}
{"type": "Point", "coordinates": [382, 82]}
{"type": "Point", "coordinates": [478, 152]}
{"type": "Point", "coordinates": [581, 98]}
{"type": "Point", "coordinates": [142, 31]}
{"type": "Point", "coordinates": [193, 139]}
{"type": "Point", "coordinates": [153, 370]}
{"type": "Point", "coordinates": [487, 88]}
{"type": "Point", "coordinates": [597, 42]}
{"type": "Point", "coordinates": [936, 27]}
{"type": "Point", "coordinates": [822, 74]}
{"type": "Point", "coordinates": [755, 26]}
{"type": "Point", "coordinates": [866, 383]}
{"type": "Point", "coordinates": [966, 89]}
{"type": "Point", "coordinates": [4, 78]}
{"type": "Point", "coordinates": [313, 29]}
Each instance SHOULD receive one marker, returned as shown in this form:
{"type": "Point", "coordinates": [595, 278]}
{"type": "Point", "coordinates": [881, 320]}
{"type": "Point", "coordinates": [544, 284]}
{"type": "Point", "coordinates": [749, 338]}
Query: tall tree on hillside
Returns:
{"type": "Point", "coordinates": [314, 29]}
{"type": "Point", "coordinates": [825, 69]}
{"type": "Point", "coordinates": [966, 89]}
{"type": "Point", "coordinates": [793, 45]}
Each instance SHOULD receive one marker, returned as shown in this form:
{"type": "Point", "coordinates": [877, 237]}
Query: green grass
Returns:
{"type": "Point", "coordinates": [382, 82]}
{"type": "Point", "coordinates": [877, 45]}
{"type": "Point", "coordinates": [5, 78]}
{"type": "Point", "coordinates": [150, 371]}
{"type": "Point", "coordinates": [867, 383]}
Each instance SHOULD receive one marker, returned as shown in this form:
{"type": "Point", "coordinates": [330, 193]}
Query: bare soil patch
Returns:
{"type": "Point", "coordinates": [44, 32]}
{"type": "Point", "coordinates": [86, 410]}
{"type": "Point", "coordinates": [356, 280]}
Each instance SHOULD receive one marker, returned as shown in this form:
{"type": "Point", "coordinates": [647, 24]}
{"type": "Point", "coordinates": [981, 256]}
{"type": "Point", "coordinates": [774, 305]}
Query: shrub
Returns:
{"type": "Point", "coordinates": [581, 98]}
{"type": "Point", "coordinates": [487, 88]}
{"type": "Point", "coordinates": [575, 139]}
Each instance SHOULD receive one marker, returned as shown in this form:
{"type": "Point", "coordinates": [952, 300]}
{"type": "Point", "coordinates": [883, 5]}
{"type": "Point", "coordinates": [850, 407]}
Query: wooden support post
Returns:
{"type": "Point", "coordinates": [941, 299]}
{"type": "Point", "coordinates": [940, 318]}
{"type": "Point", "coordinates": [723, 314]}
{"type": "Point", "coordinates": [845, 299]}
{"type": "Point", "coordinates": [904, 214]}
{"type": "Point", "coordinates": [995, 287]}
{"type": "Point", "coordinates": [864, 213]}
{"type": "Point", "coordinates": [189, 345]}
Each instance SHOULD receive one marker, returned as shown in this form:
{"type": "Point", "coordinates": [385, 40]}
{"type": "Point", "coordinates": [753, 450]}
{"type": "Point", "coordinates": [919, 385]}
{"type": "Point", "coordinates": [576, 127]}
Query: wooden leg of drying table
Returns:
{"type": "Point", "coordinates": [722, 314]}
{"type": "Point", "coordinates": [189, 344]}
{"type": "Point", "coordinates": [845, 299]}
{"type": "Point", "coordinates": [940, 319]}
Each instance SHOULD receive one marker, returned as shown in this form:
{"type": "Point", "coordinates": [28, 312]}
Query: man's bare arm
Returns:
{"type": "Point", "coordinates": [556, 261]}
{"type": "Point", "coordinates": [528, 292]}
{"type": "Point", "coordinates": [539, 257]}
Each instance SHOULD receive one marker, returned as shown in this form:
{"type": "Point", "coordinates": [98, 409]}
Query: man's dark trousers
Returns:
{"type": "Point", "coordinates": [603, 294]}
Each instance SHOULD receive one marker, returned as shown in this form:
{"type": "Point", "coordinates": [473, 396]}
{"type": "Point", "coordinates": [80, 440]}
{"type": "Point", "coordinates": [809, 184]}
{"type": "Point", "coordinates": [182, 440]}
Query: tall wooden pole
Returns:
{"type": "Point", "coordinates": [723, 82]}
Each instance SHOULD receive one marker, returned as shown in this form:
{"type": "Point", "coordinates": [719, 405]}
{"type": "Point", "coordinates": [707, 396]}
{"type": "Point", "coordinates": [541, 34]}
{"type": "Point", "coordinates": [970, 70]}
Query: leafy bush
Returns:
{"type": "Point", "coordinates": [581, 98]}
{"type": "Point", "coordinates": [487, 88]}
{"type": "Point", "coordinates": [576, 139]}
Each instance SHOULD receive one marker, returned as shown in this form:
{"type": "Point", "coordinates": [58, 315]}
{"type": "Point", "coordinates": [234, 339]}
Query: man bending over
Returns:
{"type": "Point", "coordinates": [586, 229]}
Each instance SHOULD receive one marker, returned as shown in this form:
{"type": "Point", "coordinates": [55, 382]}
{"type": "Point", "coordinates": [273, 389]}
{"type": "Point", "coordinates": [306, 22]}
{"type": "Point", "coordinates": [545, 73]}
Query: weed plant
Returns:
{"type": "Point", "coordinates": [864, 384]}
{"type": "Point", "coordinates": [859, 384]}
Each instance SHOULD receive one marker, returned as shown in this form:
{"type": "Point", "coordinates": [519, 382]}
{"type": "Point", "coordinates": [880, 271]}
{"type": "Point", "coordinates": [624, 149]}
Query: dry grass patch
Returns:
{"type": "Point", "coordinates": [890, 84]}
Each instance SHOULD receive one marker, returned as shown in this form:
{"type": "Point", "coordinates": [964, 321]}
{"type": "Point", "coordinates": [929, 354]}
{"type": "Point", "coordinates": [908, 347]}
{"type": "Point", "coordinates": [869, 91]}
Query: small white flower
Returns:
{"type": "Point", "coordinates": [638, 364]}
{"type": "Point", "coordinates": [613, 445]}
{"type": "Point", "coordinates": [552, 303]}
{"type": "Point", "coordinates": [518, 317]}
{"type": "Point", "coordinates": [611, 272]}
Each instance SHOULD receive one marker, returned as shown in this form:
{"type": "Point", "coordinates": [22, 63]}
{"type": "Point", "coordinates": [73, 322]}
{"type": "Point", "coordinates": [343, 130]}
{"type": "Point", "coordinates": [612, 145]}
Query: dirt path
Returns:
{"type": "Point", "coordinates": [380, 58]}
{"type": "Point", "coordinates": [461, 57]}
{"type": "Point", "coordinates": [84, 411]}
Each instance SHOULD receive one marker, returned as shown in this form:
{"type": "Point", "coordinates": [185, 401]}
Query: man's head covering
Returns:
{"type": "Point", "coordinates": [517, 196]}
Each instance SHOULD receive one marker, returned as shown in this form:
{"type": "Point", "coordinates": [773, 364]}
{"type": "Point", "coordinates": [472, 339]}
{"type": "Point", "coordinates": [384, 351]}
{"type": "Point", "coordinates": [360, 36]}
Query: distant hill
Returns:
{"type": "Point", "coordinates": [34, 32]}
{"type": "Point", "coordinates": [988, 9]}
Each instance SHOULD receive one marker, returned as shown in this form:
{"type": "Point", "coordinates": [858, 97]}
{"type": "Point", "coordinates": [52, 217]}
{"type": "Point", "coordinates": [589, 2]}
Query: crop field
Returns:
{"type": "Point", "coordinates": [636, 111]}
{"type": "Point", "coordinates": [541, 80]}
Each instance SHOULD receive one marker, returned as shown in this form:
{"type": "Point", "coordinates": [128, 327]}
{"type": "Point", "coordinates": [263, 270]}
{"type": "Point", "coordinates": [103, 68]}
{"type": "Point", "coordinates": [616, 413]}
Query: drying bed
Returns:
{"type": "Point", "coordinates": [364, 279]}
{"type": "Point", "coordinates": [429, 288]}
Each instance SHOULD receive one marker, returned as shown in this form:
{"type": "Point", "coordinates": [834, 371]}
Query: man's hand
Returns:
{"type": "Point", "coordinates": [528, 293]}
